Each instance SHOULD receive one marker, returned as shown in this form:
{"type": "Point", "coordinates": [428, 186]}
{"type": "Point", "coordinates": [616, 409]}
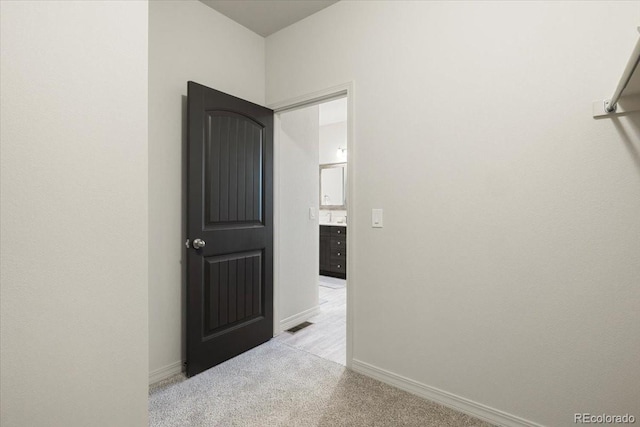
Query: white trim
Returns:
{"type": "Point", "coordinates": [351, 219]}
{"type": "Point", "coordinates": [442, 397]}
{"type": "Point", "coordinates": [165, 372]}
{"type": "Point", "coordinates": [312, 98]}
{"type": "Point", "coordinates": [296, 319]}
{"type": "Point", "coordinates": [346, 89]}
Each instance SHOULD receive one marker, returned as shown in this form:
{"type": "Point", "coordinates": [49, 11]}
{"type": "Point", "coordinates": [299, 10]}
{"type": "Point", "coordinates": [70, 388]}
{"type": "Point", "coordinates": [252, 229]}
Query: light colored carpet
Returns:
{"type": "Point", "coordinates": [276, 385]}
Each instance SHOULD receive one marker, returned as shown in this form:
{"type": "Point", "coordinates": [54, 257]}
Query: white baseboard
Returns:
{"type": "Point", "coordinates": [444, 398]}
{"type": "Point", "coordinates": [165, 372]}
{"type": "Point", "coordinates": [296, 319]}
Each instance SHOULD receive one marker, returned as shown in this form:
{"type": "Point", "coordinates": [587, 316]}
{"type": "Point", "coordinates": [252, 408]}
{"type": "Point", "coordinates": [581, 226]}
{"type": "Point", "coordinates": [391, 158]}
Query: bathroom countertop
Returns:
{"type": "Point", "coordinates": [334, 224]}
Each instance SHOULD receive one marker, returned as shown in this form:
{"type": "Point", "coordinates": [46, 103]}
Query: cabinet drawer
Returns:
{"type": "Point", "coordinates": [339, 253]}
{"type": "Point", "coordinates": [338, 267]}
{"type": "Point", "coordinates": [339, 243]}
{"type": "Point", "coordinates": [338, 231]}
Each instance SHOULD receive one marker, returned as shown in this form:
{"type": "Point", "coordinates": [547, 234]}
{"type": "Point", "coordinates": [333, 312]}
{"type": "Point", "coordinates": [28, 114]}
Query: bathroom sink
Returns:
{"type": "Point", "coordinates": [339, 224]}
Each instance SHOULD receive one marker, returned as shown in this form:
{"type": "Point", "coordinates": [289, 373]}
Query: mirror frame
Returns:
{"type": "Point", "coordinates": [342, 165]}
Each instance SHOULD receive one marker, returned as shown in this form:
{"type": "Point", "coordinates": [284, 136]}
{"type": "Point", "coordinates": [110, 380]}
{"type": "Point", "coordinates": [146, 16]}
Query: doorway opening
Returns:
{"type": "Point", "coordinates": [312, 191]}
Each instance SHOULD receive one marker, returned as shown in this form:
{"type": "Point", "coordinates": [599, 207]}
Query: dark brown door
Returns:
{"type": "Point", "coordinates": [230, 227]}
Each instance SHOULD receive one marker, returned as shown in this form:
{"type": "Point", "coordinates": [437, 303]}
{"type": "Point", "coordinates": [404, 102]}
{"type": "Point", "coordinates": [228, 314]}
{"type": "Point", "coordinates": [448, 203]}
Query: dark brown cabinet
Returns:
{"type": "Point", "coordinates": [333, 251]}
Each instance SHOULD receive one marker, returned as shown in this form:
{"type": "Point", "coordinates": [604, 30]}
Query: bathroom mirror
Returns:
{"type": "Point", "coordinates": [333, 184]}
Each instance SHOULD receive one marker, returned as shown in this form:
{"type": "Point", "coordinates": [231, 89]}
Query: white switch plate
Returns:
{"type": "Point", "coordinates": [376, 218]}
{"type": "Point", "coordinates": [312, 213]}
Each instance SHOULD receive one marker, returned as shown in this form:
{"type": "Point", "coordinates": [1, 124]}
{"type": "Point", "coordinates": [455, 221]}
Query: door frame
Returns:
{"type": "Point", "coordinates": [314, 98]}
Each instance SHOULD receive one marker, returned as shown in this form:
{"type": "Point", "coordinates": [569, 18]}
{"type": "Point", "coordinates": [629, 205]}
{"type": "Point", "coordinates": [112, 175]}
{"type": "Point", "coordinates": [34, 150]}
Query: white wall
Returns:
{"type": "Point", "coordinates": [298, 235]}
{"type": "Point", "coordinates": [332, 137]}
{"type": "Point", "coordinates": [187, 41]}
{"type": "Point", "coordinates": [74, 297]}
{"type": "Point", "coordinates": [507, 272]}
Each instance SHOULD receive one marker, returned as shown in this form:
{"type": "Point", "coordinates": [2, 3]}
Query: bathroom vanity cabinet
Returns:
{"type": "Point", "coordinates": [333, 251]}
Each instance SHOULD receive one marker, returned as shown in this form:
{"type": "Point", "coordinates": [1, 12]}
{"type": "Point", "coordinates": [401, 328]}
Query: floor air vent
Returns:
{"type": "Point", "coordinates": [298, 327]}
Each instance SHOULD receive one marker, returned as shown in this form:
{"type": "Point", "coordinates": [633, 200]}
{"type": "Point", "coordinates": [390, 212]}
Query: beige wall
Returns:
{"type": "Point", "coordinates": [507, 271]}
{"type": "Point", "coordinates": [74, 221]}
{"type": "Point", "coordinates": [187, 41]}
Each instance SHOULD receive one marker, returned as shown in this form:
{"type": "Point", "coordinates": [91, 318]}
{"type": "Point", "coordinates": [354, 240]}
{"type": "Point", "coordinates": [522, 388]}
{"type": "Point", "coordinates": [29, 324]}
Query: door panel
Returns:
{"type": "Point", "coordinates": [230, 205]}
{"type": "Point", "coordinates": [233, 153]}
{"type": "Point", "coordinates": [233, 290]}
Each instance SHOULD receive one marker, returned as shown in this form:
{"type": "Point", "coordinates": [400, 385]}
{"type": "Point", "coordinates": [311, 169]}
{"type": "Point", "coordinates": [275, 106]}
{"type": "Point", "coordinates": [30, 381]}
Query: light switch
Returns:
{"type": "Point", "coordinates": [376, 218]}
{"type": "Point", "coordinates": [312, 213]}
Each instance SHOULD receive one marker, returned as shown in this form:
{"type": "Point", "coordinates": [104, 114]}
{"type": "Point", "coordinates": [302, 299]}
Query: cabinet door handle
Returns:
{"type": "Point", "coordinates": [338, 253]}
{"type": "Point", "coordinates": [339, 231]}
{"type": "Point", "coordinates": [338, 243]}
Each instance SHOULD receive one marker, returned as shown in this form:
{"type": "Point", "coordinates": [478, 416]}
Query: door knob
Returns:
{"type": "Point", "coordinates": [199, 243]}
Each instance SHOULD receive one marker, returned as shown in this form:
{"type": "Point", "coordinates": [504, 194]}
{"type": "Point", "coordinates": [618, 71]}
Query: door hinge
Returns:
{"type": "Point", "coordinates": [187, 244]}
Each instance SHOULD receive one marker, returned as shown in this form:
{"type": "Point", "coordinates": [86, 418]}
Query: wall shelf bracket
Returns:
{"type": "Point", "coordinates": [626, 105]}
{"type": "Point", "coordinates": [626, 97]}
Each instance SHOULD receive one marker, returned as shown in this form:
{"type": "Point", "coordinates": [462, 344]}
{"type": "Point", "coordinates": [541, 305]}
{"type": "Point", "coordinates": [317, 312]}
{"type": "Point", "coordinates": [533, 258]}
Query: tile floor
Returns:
{"type": "Point", "coordinates": [327, 336]}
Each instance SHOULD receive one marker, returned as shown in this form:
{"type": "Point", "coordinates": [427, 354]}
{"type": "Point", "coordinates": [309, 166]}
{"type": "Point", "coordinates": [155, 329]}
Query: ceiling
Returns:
{"type": "Point", "coordinates": [265, 17]}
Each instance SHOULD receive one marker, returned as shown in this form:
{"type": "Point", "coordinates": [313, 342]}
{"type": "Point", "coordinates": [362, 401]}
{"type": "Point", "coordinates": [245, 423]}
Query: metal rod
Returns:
{"type": "Point", "coordinates": [632, 64]}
